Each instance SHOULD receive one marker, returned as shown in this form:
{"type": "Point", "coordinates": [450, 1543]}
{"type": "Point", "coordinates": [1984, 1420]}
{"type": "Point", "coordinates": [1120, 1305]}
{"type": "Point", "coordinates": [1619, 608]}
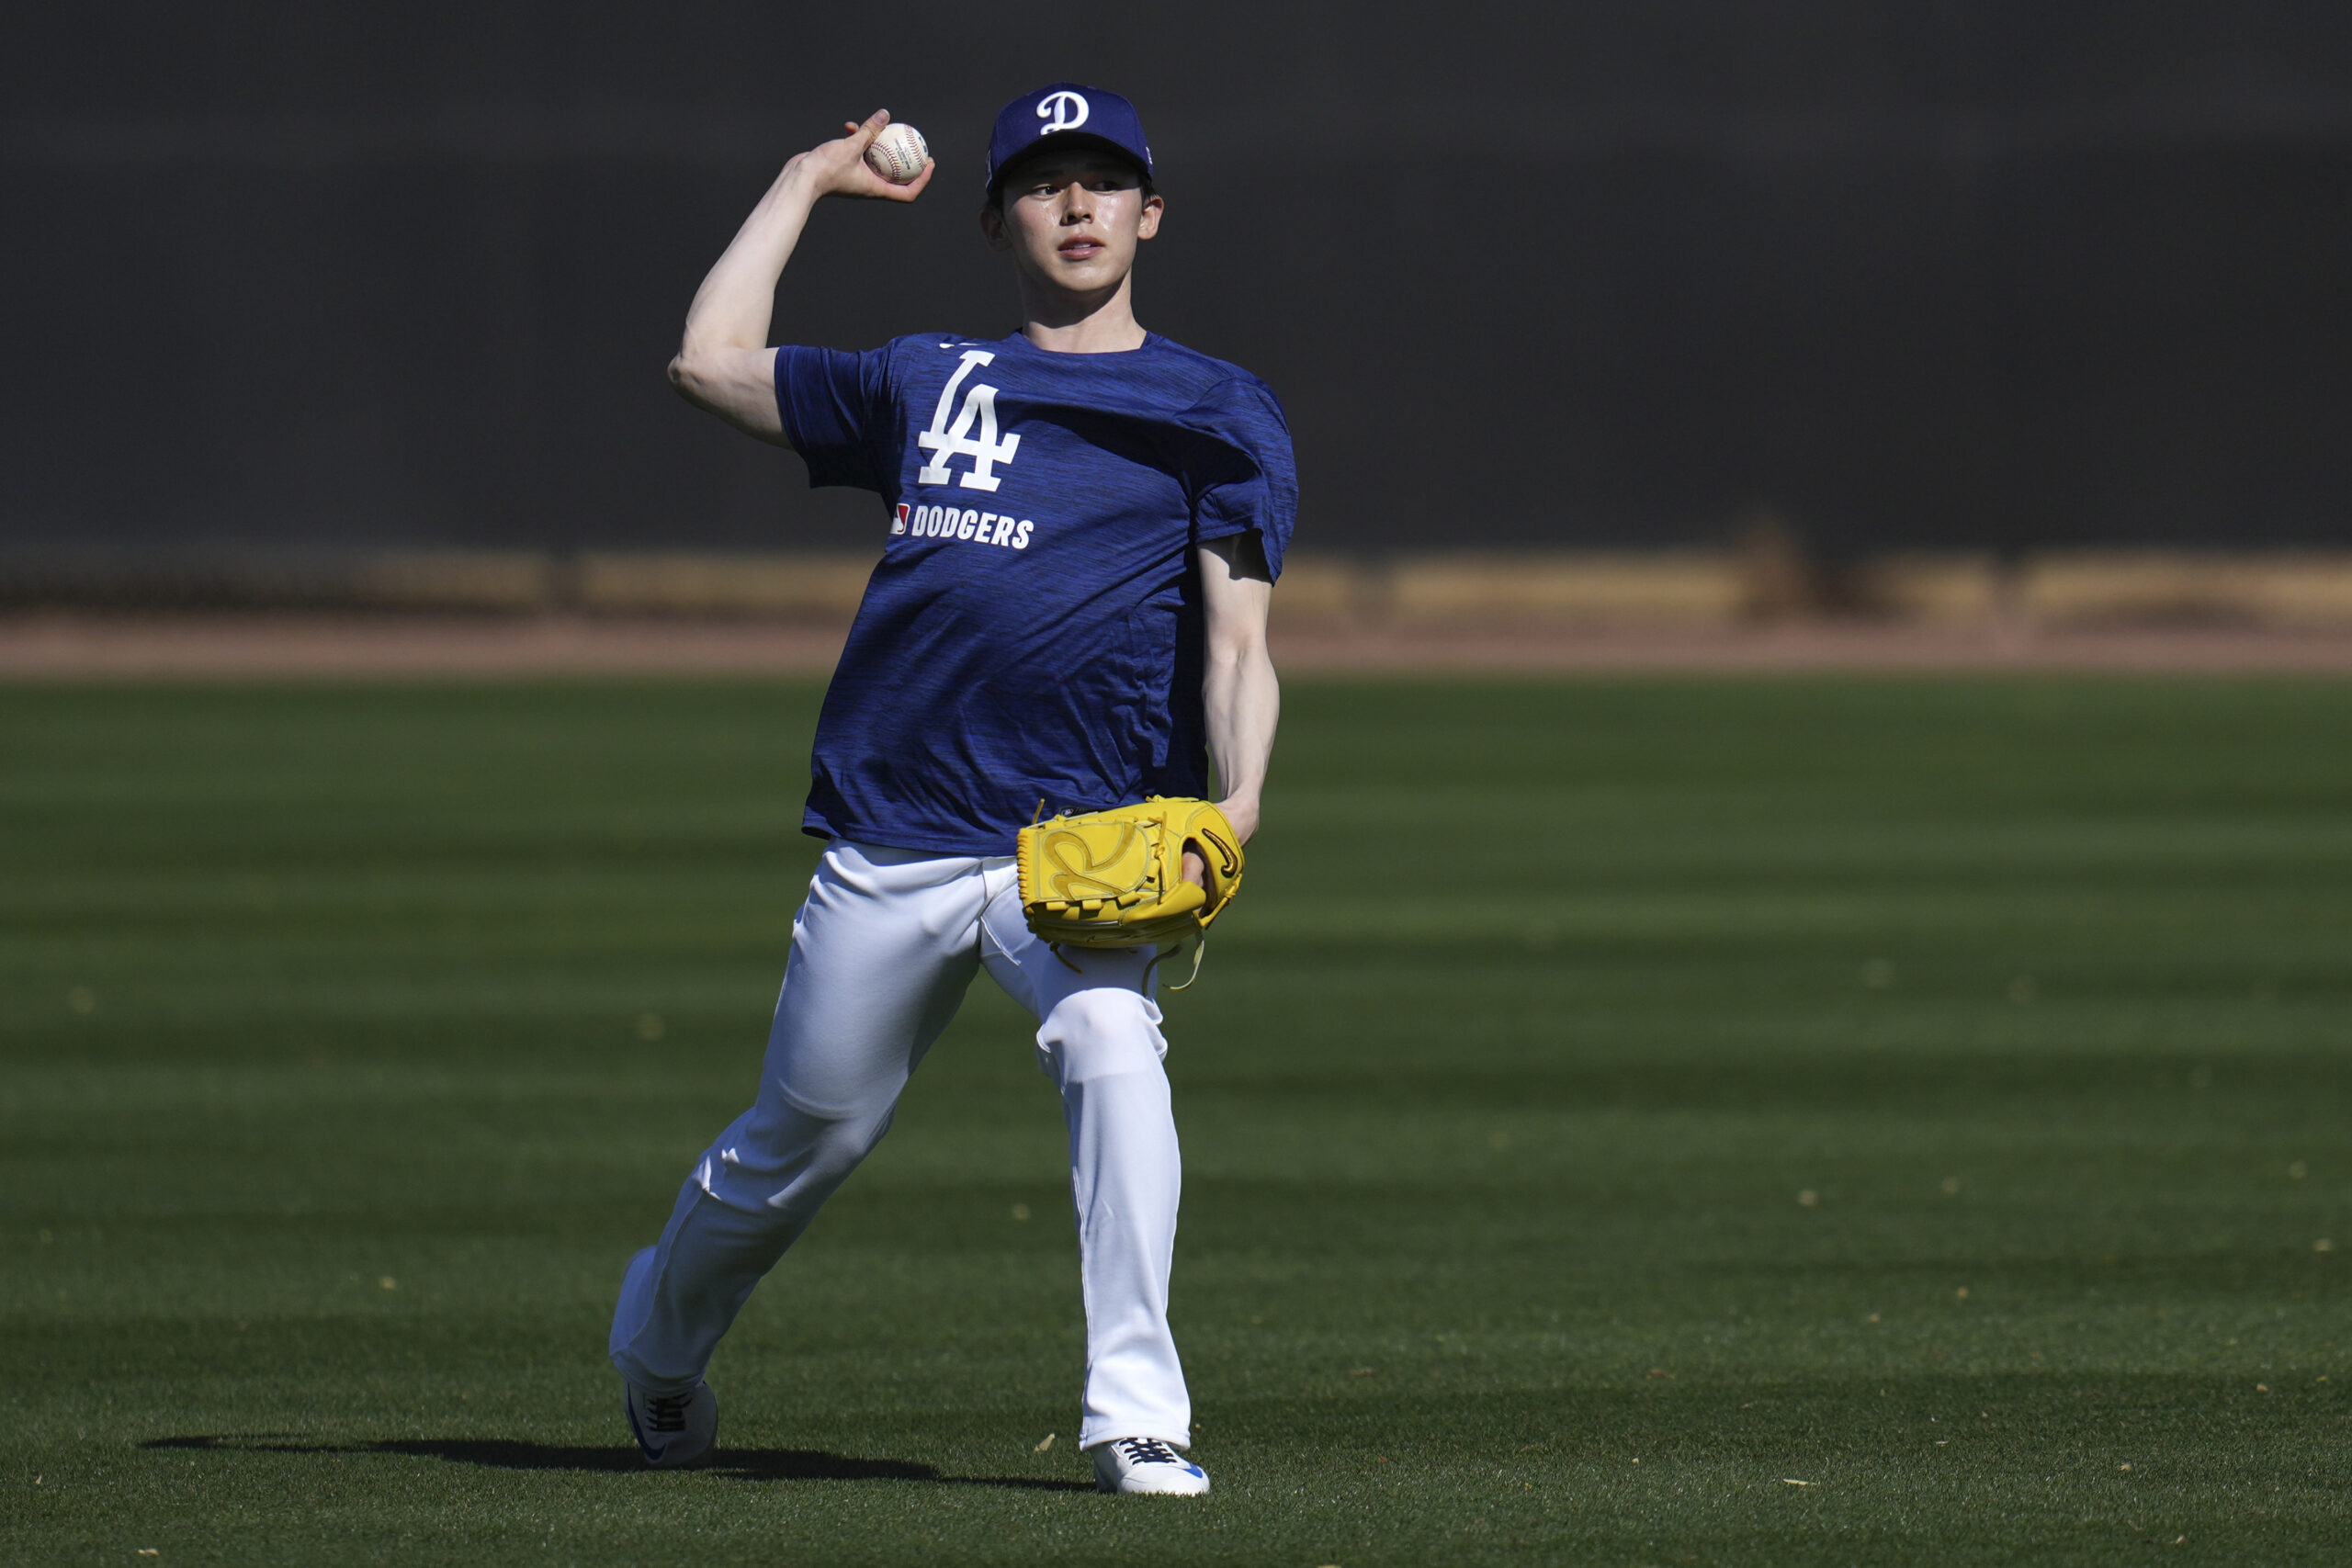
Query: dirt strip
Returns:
{"type": "Point", "coordinates": [81, 647]}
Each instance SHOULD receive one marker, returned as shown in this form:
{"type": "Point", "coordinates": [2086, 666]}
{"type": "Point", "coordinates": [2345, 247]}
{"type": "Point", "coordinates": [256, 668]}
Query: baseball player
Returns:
{"type": "Point", "coordinates": [1085, 523]}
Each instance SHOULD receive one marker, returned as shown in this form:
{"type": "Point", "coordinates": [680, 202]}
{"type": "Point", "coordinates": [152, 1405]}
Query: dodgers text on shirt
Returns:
{"type": "Point", "coordinates": [948, 523]}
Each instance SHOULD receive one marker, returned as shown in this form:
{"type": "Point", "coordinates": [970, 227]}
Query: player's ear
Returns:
{"type": "Point", "coordinates": [1148, 224]}
{"type": "Point", "coordinates": [992, 226]}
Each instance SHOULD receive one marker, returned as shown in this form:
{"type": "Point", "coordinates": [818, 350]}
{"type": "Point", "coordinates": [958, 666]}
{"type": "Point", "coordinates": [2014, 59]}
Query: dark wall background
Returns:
{"type": "Point", "coordinates": [1938, 273]}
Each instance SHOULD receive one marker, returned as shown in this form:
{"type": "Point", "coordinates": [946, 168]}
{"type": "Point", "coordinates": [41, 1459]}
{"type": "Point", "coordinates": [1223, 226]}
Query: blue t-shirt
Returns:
{"type": "Point", "coordinates": [1033, 630]}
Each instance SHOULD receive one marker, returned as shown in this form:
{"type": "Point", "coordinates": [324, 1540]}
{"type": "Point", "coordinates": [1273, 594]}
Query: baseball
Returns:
{"type": "Point", "coordinates": [898, 155]}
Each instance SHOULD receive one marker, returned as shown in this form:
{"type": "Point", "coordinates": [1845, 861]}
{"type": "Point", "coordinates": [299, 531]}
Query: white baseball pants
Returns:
{"type": "Point", "coordinates": [882, 953]}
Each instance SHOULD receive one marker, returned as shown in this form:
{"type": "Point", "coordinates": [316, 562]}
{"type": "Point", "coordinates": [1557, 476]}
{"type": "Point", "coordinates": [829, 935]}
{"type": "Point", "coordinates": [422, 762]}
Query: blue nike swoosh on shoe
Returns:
{"type": "Point", "coordinates": [652, 1455]}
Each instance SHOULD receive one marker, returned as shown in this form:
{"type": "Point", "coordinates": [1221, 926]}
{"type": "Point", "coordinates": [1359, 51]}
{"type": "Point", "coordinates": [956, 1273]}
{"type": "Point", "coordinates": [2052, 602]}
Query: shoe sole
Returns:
{"type": "Point", "coordinates": [1117, 1491]}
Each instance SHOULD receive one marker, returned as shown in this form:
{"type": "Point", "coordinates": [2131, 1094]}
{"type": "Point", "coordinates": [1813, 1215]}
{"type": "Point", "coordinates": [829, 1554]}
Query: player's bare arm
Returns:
{"type": "Point", "coordinates": [1241, 699]}
{"type": "Point", "coordinates": [724, 363]}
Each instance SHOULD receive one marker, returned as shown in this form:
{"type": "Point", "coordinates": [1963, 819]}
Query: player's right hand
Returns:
{"type": "Point", "coordinates": [839, 168]}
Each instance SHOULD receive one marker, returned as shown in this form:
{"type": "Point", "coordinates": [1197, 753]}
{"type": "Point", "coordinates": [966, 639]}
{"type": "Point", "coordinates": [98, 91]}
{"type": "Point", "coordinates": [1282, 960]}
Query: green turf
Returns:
{"type": "Point", "coordinates": [1612, 1104]}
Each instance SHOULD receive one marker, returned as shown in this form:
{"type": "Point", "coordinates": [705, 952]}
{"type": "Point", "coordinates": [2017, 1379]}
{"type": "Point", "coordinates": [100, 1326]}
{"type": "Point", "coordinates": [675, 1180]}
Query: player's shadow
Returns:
{"type": "Point", "coordinates": [503, 1453]}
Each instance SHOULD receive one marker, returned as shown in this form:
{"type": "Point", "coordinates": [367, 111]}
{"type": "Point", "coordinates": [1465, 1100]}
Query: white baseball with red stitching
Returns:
{"type": "Point", "coordinates": [898, 153]}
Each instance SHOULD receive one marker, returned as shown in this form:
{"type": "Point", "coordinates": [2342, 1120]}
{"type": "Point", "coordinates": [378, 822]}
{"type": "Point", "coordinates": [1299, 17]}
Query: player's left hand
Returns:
{"type": "Point", "coordinates": [1244, 818]}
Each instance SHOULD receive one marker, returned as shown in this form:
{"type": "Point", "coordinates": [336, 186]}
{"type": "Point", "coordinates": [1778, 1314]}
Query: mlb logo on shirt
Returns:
{"type": "Point", "coordinates": [899, 524]}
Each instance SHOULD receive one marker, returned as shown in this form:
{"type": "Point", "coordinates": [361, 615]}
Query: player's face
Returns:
{"type": "Point", "coordinates": [1072, 220]}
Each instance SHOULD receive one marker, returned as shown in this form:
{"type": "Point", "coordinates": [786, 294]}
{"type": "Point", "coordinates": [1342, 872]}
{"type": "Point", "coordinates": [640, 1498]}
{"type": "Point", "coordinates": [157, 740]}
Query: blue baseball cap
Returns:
{"type": "Point", "coordinates": [1067, 112]}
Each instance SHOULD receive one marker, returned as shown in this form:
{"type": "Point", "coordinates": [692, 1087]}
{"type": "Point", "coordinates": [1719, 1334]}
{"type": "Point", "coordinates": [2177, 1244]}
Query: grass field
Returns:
{"type": "Point", "coordinates": [1693, 1121]}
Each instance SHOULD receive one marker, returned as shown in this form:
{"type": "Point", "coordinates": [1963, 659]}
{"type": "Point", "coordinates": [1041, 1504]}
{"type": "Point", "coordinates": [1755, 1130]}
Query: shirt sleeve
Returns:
{"type": "Point", "coordinates": [1246, 479]}
{"type": "Point", "coordinates": [833, 406]}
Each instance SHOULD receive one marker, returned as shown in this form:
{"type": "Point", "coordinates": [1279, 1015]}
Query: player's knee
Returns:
{"type": "Point", "coordinates": [1095, 1033]}
{"type": "Point", "coordinates": [838, 1150]}
{"type": "Point", "coordinates": [788, 1151]}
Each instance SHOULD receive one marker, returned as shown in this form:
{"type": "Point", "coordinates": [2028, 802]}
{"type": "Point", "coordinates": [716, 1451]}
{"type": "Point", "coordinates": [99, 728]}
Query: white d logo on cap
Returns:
{"type": "Point", "coordinates": [1064, 110]}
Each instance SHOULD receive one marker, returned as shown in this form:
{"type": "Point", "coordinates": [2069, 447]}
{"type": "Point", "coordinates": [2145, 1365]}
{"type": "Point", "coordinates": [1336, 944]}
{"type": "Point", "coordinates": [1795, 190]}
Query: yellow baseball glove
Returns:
{"type": "Point", "coordinates": [1116, 878]}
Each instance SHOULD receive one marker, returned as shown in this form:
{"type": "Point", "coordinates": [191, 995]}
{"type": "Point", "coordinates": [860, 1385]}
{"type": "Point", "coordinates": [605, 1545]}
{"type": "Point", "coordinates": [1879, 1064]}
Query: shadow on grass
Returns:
{"type": "Point", "coordinates": [503, 1453]}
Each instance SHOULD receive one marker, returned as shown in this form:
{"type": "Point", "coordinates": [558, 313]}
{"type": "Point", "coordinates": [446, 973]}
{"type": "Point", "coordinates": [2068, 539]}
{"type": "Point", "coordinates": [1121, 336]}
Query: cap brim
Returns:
{"type": "Point", "coordinates": [1057, 140]}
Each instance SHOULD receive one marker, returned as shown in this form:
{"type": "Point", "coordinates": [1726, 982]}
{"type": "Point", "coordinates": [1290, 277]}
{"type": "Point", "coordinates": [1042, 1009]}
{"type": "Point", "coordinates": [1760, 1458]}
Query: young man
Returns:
{"type": "Point", "coordinates": [1086, 521]}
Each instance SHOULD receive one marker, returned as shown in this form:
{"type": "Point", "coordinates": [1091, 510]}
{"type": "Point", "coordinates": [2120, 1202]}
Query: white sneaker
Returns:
{"type": "Point", "coordinates": [671, 1429]}
{"type": "Point", "coordinates": [1147, 1464]}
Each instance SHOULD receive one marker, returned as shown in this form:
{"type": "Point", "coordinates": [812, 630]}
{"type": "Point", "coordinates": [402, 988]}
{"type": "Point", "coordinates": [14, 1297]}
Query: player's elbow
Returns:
{"type": "Point", "coordinates": [700, 381]}
{"type": "Point", "coordinates": [1236, 632]}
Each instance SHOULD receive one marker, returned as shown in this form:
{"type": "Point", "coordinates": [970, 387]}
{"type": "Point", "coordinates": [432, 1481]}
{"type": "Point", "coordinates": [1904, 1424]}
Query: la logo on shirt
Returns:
{"type": "Point", "coordinates": [944, 441]}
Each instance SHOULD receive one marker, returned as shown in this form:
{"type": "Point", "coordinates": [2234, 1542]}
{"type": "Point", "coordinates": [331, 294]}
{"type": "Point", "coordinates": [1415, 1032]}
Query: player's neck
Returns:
{"type": "Point", "coordinates": [1080, 323]}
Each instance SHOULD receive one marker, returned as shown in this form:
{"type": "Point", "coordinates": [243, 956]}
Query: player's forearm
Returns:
{"type": "Point", "coordinates": [1243, 703]}
{"type": "Point", "coordinates": [731, 309]}
{"type": "Point", "coordinates": [724, 363]}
